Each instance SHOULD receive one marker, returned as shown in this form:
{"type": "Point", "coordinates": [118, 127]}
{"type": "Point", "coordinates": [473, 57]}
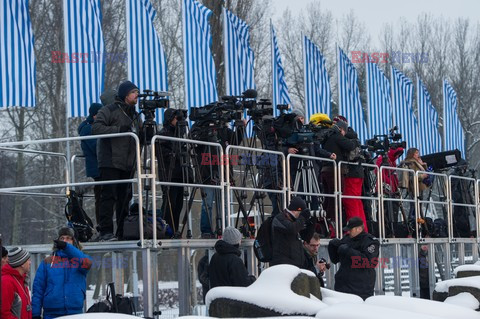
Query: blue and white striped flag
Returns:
{"type": "Point", "coordinates": [402, 104]}
{"type": "Point", "coordinates": [17, 59]}
{"type": "Point", "coordinates": [430, 139]}
{"type": "Point", "coordinates": [316, 79]}
{"type": "Point", "coordinates": [147, 66]}
{"type": "Point", "coordinates": [379, 101]}
{"type": "Point", "coordinates": [453, 133]}
{"type": "Point", "coordinates": [279, 89]}
{"type": "Point", "coordinates": [349, 96]}
{"type": "Point", "coordinates": [239, 58]}
{"type": "Point", "coordinates": [199, 68]}
{"type": "Point", "coordinates": [85, 49]}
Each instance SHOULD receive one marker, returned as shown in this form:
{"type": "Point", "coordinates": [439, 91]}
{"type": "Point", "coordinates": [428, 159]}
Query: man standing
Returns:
{"type": "Point", "coordinates": [226, 268]}
{"type": "Point", "coordinates": [312, 263]}
{"type": "Point", "coordinates": [358, 257]}
{"type": "Point", "coordinates": [116, 158]}
{"type": "Point", "coordinates": [16, 302]}
{"type": "Point", "coordinates": [289, 227]}
{"type": "Point", "coordinates": [89, 148]}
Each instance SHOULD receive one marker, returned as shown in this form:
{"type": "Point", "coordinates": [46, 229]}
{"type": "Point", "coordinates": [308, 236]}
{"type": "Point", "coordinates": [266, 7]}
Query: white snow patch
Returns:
{"type": "Point", "coordinates": [423, 307]}
{"type": "Point", "coordinates": [366, 311]}
{"type": "Point", "coordinates": [332, 297]}
{"type": "Point", "coordinates": [464, 299]}
{"type": "Point", "coordinates": [473, 267]}
{"type": "Point", "coordinates": [99, 315]}
{"type": "Point", "coordinates": [443, 286]}
{"type": "Point", "coordinates": [272, 290]}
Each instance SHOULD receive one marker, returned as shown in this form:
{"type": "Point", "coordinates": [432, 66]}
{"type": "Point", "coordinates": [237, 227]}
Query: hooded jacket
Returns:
{"type": "Point", "coordinates": [169, 153]}
{"type": "Point", "coordinates": [89, 148]}
{"type": "Point", "coordinates": [15, 295]}
{"type": "Point", "coordinates": [227, 268]}
{"type": "Point", "coordinates": [118, 152]}
{"type": "Point", "coordinates": [60, 283]}
{"type": "Point", "coordinates": [338, 144]}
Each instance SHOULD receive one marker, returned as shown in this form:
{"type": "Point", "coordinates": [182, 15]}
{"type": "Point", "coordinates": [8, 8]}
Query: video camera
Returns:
{"type": "Point", "coordinates": [158, 100]}
{"type": "Point", "coordinates": [380, 144]}
{"type": "Point", "coordinates": [257, 112]}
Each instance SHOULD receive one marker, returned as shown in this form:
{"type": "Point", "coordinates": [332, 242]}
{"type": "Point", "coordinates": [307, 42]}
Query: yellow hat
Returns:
{"type": "Point", "coordinates": [321, 119]}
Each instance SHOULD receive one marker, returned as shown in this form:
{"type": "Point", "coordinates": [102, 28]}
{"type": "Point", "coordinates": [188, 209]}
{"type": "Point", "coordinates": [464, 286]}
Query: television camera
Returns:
{"type": "Point", "coordinates": [150, 101]}
{"type": "Point", "coordinates": [380, 144]}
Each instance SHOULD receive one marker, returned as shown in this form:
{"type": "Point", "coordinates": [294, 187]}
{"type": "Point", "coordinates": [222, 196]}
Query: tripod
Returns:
{"type": "Point", "coordinates": [306, 181]}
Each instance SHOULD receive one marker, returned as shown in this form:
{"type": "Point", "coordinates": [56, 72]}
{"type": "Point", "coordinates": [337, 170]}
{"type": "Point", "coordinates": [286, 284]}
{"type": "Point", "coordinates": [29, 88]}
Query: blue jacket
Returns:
{"type": "Point", "coordinates": [60, 283]}
{"type": "Point", "coordinates": [89, 148]}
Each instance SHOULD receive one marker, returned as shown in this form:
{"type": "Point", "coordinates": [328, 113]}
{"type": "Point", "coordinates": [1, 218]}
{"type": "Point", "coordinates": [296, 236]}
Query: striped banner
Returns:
{"type": "Point", "coordinates": [316, 79]}
{"type": "Point", "coordinates": [199, 68]}
{"type": "Point", "coordinates": [239, 58]}
{"type": "Point", "coordinates": [84, 49]}
{"type": "Point", "coordinates": [379, 101]}
{"type": "Point", "coordinates": [279, 86]}
{"type": "Point", "coordinates": [17, 59]}
{"type": "Point", "coordinates": [349, 96]}
{"type": "Point", "coordinates": [402, 104]}
{"type": "Point", "coordinates": [453, 134]}
{"type": "Point", "coordinates": [430, 140]}
{"type": "Point", "coordinates": [147, 65]}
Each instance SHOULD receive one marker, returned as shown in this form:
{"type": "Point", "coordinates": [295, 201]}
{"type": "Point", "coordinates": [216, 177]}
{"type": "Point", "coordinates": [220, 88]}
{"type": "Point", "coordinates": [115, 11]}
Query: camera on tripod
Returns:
{"type": "Point", "coordinates": [260, 110]}
{"type": "Point", "coordinates": [380, 144]}
{"type": "Point", "coordinates": [159, 100]}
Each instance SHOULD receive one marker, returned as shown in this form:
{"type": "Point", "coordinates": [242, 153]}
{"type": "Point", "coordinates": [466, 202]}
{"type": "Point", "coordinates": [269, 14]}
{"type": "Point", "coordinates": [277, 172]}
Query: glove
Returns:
{"type": "Point", "coordinates": [335, 242]}
{"type": "Point", "coordinates": [59, 244]}
{"type": "Point", "coordinates": [342, 249]}
{"type": "Point", "coordinates": [124, 128]}
{"type": "Point", "coordinates": [305, 213]}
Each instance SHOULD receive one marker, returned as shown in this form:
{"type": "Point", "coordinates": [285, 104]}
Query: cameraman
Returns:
{"type": "Point", "coordinates": [217, 132]}
{"type": "Point", "coordinates": [335, 142]}
{"type": "Point", "coordinates": [116, 158]}
{"type": "Point", "coordinates": [170, 170]}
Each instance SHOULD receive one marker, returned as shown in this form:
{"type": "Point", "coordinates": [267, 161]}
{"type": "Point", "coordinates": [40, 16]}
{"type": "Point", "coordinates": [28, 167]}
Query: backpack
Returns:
{"type": "Point", "coordinates": [131, 229]}
{"type": "Point", "coordinates": [263, 244]}
{"type": "Point", "coordinates": [440, 228]}
{"type": "Point", "coordinates": [115, 303]}
{"type": "Point", "coordinates": [78, 218]}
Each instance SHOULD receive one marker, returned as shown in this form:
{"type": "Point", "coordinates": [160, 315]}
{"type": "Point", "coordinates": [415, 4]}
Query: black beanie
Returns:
{"type": "Point", "coordinates": [125, 88]}
{"type": "Point", "coordinates": [66, 231]}
{"type": "Point", "coordinates": [94, 108]}
{"type": "Point", "coordinates": [297, 203]}
{"type": "Point", "coordinates": [4, 252]}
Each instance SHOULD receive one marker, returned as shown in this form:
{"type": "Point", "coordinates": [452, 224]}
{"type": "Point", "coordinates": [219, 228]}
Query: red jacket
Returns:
{"type": "Point", "coordinates": [15, 295]}
{"type": "Point", "coordinates": [390, 177]}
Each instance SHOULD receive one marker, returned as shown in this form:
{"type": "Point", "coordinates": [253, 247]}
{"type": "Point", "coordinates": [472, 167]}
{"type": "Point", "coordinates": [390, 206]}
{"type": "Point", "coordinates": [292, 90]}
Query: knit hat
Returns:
{"type": "Point", "coordinates": [108, 96]}
{"type": "Point", "coordinates": [299, 113]}
{"type": "Point", "coordinates": [4, 252]}
{"type": "Point", "coordinates": [232, 236]}
{"type": "Point", "coordinates": [168, 116]}
{"type": "Point", "coordinates": [297, 203]}
{"type": "Point", "coordinates": [17, 257]}
{"type": "Point", "coordinates": [125, 88]}
{"type": "Point", "coordinates": [94, 108]}
{"type": "Point", "coordinates": [66, 231]}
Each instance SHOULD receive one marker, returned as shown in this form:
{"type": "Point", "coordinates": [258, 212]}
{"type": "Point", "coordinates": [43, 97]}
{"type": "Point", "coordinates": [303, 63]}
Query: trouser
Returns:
{"type": "Point", "coordinates": [353, 206]}
{"type": "Point", "coordinates": [97, 190]}
{"type": "Point", "coordinates": [172, 205]}
{"type": "Point", "coordinates": [328, 183]}
{"type": "Point", "coordinates": [114, 195]}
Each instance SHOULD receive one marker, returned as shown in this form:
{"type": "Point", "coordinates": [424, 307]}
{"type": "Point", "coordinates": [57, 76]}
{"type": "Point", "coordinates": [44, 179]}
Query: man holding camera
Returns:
{"type": "Point", "coordinates": [358, 257]}
{"type": "Point", "coordinates": [312, 263]}
{"type": "Point", "coordinates": [116, 158]}
{"type": "Point", "coordinates": [289, 227]}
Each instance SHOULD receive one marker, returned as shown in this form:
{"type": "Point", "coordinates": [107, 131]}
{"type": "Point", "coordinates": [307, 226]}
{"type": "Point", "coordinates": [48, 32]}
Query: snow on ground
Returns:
{"type": "Point", "coordinates": [443, 286]}
{"type": "Point", "coordinates": [473, 267]}
{"type": "Point", "coordinates": [422, 306]}
{"type": "Point", "coordinates": [332, 297]}
{"type": "Point", "coordinates": [366, 311]}
{"type": "Point", "coordinates": [100, 315]}
{"type": "Point", "coordinates": [464, 299]}
{"type": "Point", "coordinates": [272, 291]}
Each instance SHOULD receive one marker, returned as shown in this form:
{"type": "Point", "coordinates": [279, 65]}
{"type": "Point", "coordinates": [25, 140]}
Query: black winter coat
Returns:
{"type": "Point", "coordinates": [287, 241]}
{"type": "Point", "coordinates": [310, 264]}
{"type": "Point", "coordinates": [358, 259]}
{"type": "Point", "coordinates": [355, 170]}
{"type": "Point", "coordinates": [169, 153]}
{"type": "Point", "coordinates": [338, 144]}
{"type": "Point", "coordinates": [118, 152]}
{"type": "Point", "coordinates": [226, 268]}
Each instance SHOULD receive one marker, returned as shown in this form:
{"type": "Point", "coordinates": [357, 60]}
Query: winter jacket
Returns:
{"type": "Point", "coordinates": [118, 152]}
{"type": "Point", "coordinates": [406, 180]}
{"type": "Point", "coordinates": [390, 177]}
{"type": "Point", "coordinates": [89, 148]}
{"type": "Point", "coordinates": [355, 170]}
{"type": "Point", "coordinates": [310, 264]}
{"type": "Point", "coordinates": [287, 241]}
{"type": "Point", "coordinates": [170, 154]}
{"type": "Point", "coordinates": [60, 283]}
{"type": "Point", "coordinates": [338, 144]}
{"type": "Point", "coordinates": [15, 295]}
{"type": "Point", "coordinates": [358, 259]}
{"type": "Point", "coordinates": [226, 268]}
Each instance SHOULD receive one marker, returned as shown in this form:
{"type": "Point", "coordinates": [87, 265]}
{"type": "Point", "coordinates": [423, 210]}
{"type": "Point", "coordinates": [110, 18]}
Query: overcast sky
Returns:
{"type": "Point", "coordinates": [374, 13]}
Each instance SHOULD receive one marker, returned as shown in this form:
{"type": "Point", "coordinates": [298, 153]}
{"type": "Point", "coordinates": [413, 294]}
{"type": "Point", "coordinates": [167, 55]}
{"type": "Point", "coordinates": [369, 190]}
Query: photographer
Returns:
{"type": "Point", "coordinates": [116, 158]}
{"type": "Point", "coordinates": [170, 168]}
{"type": "Point", "coordinates": [312, 263]}
{"type": "Point", "coordinates": [289, 227]}
{"type": "Point", "coordinates": [335, 142]}
{"type": "Point", "coordinates": [413, 161]}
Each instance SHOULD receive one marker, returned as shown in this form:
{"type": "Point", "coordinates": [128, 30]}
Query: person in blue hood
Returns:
{"type": "Point", "coordinates": [61, 279]}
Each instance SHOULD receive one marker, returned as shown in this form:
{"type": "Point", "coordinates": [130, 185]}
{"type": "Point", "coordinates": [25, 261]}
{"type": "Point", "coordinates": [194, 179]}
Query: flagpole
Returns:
{"type": "Point", "coordinates": [67, 105]}
{"type": "Point", "coordinates": [369, 107]}
{"type": "Point", "coordinates": [392, 97]}
{"type": "Point", "coordinates": [305, 98]}
{"type": "Point", "coordinates": [443, 120]}
{"type": "Point", "coordinates": [420, 140]}
{"type": "Point", "coordinates": [338, 78]}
